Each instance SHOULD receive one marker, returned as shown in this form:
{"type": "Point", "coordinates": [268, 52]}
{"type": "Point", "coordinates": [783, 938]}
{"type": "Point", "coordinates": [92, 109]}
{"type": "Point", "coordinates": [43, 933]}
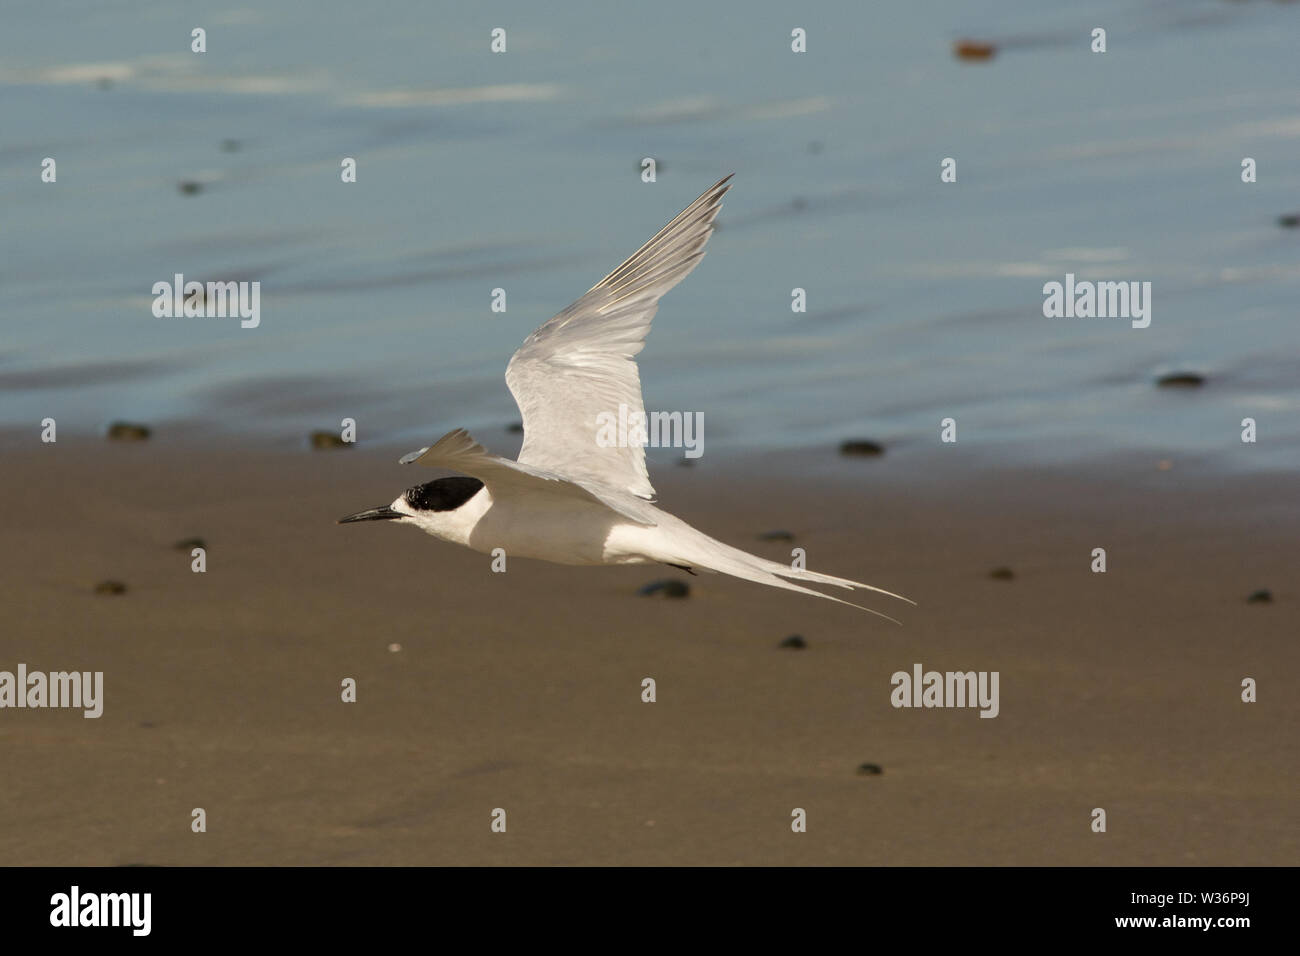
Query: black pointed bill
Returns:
{"type": "Point", "coordinates": [374, 514]}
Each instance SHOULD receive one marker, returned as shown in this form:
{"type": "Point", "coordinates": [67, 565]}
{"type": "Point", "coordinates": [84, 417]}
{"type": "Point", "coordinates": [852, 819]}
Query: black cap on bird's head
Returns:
{"type": "Point", "coordinates": [441, 494]}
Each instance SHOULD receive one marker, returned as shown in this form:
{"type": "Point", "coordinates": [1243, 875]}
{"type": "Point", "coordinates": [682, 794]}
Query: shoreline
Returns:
{"type": "Point", "coordinates": [522, 690]}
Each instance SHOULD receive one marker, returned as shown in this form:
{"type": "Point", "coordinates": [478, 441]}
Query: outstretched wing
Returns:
{"type": "Point", "coordinates": [581, 362]}
{"type": "Point", "coordinates": [459, 451]}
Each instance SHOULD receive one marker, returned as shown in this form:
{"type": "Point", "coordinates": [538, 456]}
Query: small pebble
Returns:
{"type": "Point", "coordinates": [794, 642]}
{"type": "Point", "coordinates": [1002, 574]}
{"type": "Point", "coordinates": [1180, 380]}
{"type": "Point", "coordinates": [861, 448]}
{"type": "Point", "coordinates": [870, 769]}
{"type": "Point", "coordinates": [515, 428]}
{"type": "Point", "coordinates": [189, 544]}
{"type": "Point", "coordinates": [777, 535]}
{"type": "Point", "coordinates": [125, 431]}
{"type": "Point", "coordinates": [815, 147]}
{"type": "Point", "coordinates": [189, 187]}
{"type": "Point", "coordinates": [394, 648]}
{"type": "Point", "coordinates": [323, 440]}
{"type": "Point", "coordinates": [1289, 221]}
{"type": "Point", "coordinates": [230, 145]}
{"type": "Point", "coordinates": [669, 587]}
{"type": "Point", "coordinates": [1262, 596]}
{"type": "Point", "coordinates": [973, 50]}
{"type": "Point", "coordinates": [110, 587]}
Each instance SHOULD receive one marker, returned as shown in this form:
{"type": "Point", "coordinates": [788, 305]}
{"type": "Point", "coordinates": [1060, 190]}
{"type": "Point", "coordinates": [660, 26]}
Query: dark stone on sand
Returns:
{"type": "Point", "coordinates": [1289, 221]}
{"type": "Point", "coordinates": [776, 535]}
{"type": "Point", "coordinates": [1181, 380]}
{"type": "Point", "coordinates": [515, 428]}
{"type": "Point", "coordinates": [668, 587]}
{"type": "Point", "coordinates": [230, 145]}
{"type": "Point", "coordinates": [1002, 574]}
{"type": "Point", "coordinates": [189, 544]}
{"type": "Point", "coordinates": [126, 431]}
{"type": "Point", "coordinates": [325, 440]}
{"type": "Point", "coordinates": [973, 50]}
{"type": "Point", "coordinates": [861, 448]}
{"type": "Point", "coordinates": [189, 187]}
{"type": "Point", "coordinates": [1262, 596]}
{"type": "Point", "coordinates": [110, 587]}
{"type": "Point", "coordinates": [794, 642]}
{"type": "Point", "coordinates": [870, 769]}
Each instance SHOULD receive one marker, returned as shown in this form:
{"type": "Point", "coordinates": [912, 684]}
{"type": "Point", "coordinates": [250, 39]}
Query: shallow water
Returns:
{"type": "Point", "coordinates": [521, 171]}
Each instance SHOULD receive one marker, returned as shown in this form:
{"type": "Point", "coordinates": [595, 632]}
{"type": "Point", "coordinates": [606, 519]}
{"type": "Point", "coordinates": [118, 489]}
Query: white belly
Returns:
{"type": "Point", "coordinates": [565, 531]}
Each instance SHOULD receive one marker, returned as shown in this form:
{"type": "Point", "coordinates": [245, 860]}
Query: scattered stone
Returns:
{"type": "Point", "coordinates": [515, 428]}
{"type": "Point", "coordinates": [1290, 221]}
{"type": "Point", "coordinates": [975, 50]}
{"type": "Point", "coordinates": [1180, 380]}
{"type": "Point", "coordinates": [777, 535]}
{"type": "Point", "coordinates": [324, 440]}
{"type": "Point", "coordinates": [189, 187]}
{"type": "Point", "coordinates": [1002, 574]}
{"type": "Point", "coordinates": [798, 204]}
{"type": "Point", "coordinates": [189, 544]}
{"type": "Point", "coordinates": [870, 769]}
{"type": "Point", "coordinates": [104, 83]}
{"type": "Point", "coordinates": [1262, 596]}
{"type": "Point", "coordinates": [1164, 464]}
{"type": "Point", "coordinates": [125, 431]}
{"type": "Point", "coordinates": [669, 587]}
{"type": "Point", "coordinates": [816, 146]}
{"type": "Point", "coordinates": [394, 648]}
{"type": "Point", "coordinates": [110, 587]}
{"type": "Point", "coordinates": [861, 448]}
{"type": "Point", "coordinates": [795, 642]}
{"type": "Point", "coordinates": [230, 145]}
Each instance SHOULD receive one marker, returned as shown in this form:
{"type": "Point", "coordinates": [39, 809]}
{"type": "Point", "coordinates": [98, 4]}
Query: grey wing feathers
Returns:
{"type": "Point", "coordinates": [665, 259]}
{"type": "Point", "coordinates": [580, 363]}
{"type": "Point", "coordinates": [459, 451]}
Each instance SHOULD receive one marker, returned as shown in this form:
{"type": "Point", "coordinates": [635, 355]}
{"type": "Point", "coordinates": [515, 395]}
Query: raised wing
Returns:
{"type": "Point", "coordinates": [580, 363]}
{"type": "Point", "coordinates": [459, 451]}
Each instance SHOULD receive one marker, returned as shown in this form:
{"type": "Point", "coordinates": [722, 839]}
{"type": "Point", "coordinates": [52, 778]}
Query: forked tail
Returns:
{"type": "Point", "coordinates": [709, 554]}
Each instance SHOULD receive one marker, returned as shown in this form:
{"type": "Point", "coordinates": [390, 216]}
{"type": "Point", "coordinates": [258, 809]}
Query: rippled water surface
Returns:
{"type": "Point", "coordinates": [522, 171]}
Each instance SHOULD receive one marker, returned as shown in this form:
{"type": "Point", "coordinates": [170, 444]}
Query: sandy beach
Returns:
{"type": "Point", "coordinates": [522, 690]}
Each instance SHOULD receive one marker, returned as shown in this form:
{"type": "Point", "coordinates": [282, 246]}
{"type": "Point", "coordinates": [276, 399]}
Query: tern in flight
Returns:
{"type": "Point", "coordinates": [570, 498]}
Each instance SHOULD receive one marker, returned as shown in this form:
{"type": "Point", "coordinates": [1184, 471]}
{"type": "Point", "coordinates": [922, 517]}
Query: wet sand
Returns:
{"type": "Point", "coordinates": [522, 690]}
